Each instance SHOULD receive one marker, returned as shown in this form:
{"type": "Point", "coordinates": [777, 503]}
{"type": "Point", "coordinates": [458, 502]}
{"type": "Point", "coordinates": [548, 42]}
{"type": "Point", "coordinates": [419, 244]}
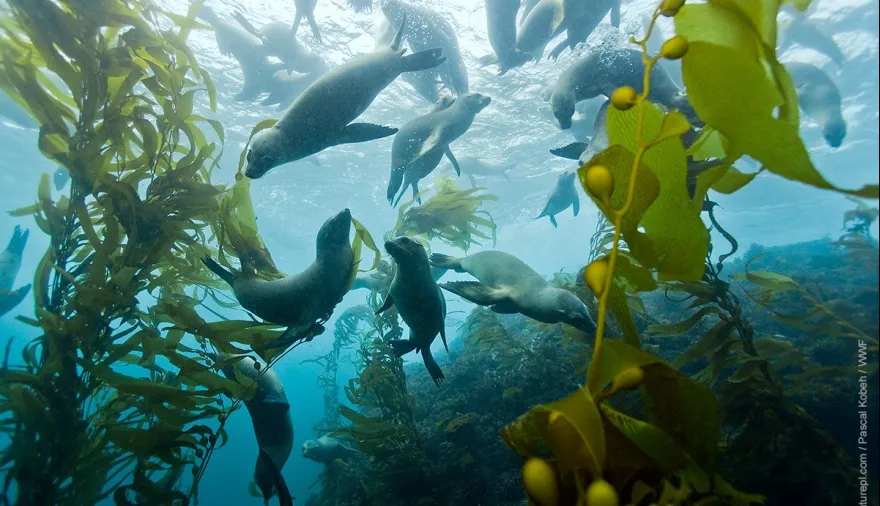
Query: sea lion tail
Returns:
{"type": "Point", "coordinates": [8, 300]}
{"type": "Point", "coordinates": [218, 269]}
{"type": "Point", "coordinates": [572, 151]}
{"type": "Point", "coordinates": [402, 346]}
{"type": "Point", "coordinates": [432, 367]}
{"type": "Point", "coordinates": [487, 60]}
{"type": "Point", "coordinates": [423, 60]}
{"type": "Point", "coordinates": [18, 241]}
{"type": "Point", "coordinates": [447, 262]}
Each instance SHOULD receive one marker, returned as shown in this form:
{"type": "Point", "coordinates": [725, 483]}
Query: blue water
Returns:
{"type": "Point", "coordinates": [516, 129]}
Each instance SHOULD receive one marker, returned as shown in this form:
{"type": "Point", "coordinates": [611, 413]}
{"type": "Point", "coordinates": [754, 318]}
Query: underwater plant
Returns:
{"type": "Point", "coordinates": [451, 215]}
{"type": "Point", "coordinates": [580, 449]}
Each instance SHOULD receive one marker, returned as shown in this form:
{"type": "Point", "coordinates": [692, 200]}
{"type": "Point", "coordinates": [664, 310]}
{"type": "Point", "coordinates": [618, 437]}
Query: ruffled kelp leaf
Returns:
{"type": "Point", "coordinates": [729, 85]}
{"type": "Point", "coordinates": [571, 429]}
{"type": "Point", "coordinates": [651, 440]}
{"type": "Point", "coordinates": [362, 237]}
{"type": "Point", "coordinates": [676, 329]}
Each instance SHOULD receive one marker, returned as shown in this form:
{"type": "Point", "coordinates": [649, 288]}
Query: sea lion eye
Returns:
{"type": "Point", "coordinates": [250, 155]}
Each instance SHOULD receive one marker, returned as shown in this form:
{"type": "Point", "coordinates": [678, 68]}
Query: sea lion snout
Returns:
{"type": "Point", "coordinates": [399, 247]}
{"type": "Point", "coordinates": [478, 101]}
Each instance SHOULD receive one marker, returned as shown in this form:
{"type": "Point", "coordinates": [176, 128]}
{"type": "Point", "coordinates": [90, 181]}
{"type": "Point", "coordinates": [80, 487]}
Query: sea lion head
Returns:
{"type": "Point", "coordinates": [264, 154]}
{"type": "Point", "coordinates": [573, 312]}
{"type": "Point", "coordinates": [475, 102]}
{"type": "Point", "coordinates": [310, 449]}
{"type": "Point", "coordinates": [335, 231]}
{"type": "Point", "coordinates": [834, 132]}
{"type": "Point", "coordinates": [563, 102]}
{"type": "Point", "coordinates": [406, 251]}
{"type": "Point", "coordinates": [18, 241]}
{"type": "Point", "coordinates": [567, 177]}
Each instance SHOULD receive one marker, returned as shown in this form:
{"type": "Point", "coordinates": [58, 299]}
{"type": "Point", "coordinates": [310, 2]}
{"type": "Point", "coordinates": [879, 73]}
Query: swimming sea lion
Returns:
{"type": "Point", "coordinates": [564, 194]}
{"type": "Point", "coordinates": [306, 9]}
{"type": "Point", "coordinates": [286, 86]}
{"type": "Point", "coordinates": [322, 115]}
{"type": "Point", "coordinates": [819, 98]}
{"type": "Point", "coordinates": [269, 410]}
{"type": "Point", "coordinates": [425, 82]}
{"type": "Point", "coordinates": [508, 285]}
{"type": "Point", "coordinates": [420, 144]}
{"type": "Point", "coordinates": [583, 152]}
{"type": "Point", "coordinates": [429, 30]}
{"type": "Point", "coordinates": [247, 50]}
{"type": "Point", "coordinates": [10, 263]}
{"type": "Point", "coordinates": [471, 167]}
{"type": "Point", "coordinates": [591, 14]}
{"type": "Point", "coordinates": [278, 42]}
{"type": "Point", "coordinates": [804, 32]}
{"type": "Point", "coordinates": [501, 26]}
{"type": "Point", "coordinates": [299, 301]}
{"type": "Point", "coordinates": [418, 300]}
{"type": "Point", "coordinates": [550, 18]}
{"type": "Point", "coordinates": [601, 72]}
{"type": "Point", "coordinates": [377, 281]}
{"type": "Point", "coordinates": [326, 450]}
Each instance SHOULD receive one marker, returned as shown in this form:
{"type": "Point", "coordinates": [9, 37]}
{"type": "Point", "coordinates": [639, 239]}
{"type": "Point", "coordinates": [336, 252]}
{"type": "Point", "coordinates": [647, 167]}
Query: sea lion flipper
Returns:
{"type": "Point", "coordinates": [218, 269]}
{"type": "Point", "coordinates": [284, 497]}
{"type": "Point", "coordinates": [443, 338]}
{"type": "Point", "coordinates": [389, 301]}
{"type": "Point", "coordinates": [432, 367]}
{"type": "Point", "coordinates": [10, 299]}
{"type": "Point", "coordinates": [553, 221]}
{"type": "Point", "coordinates": [572, 151]}
{"type": "Point", "coordinates": [476, 292]}
{"type": "Point", "coordinates": [402, 346]}
{"type": "Point", "coordinates": [452, 160]}
{"type": "Point", "coordinates": [505, 307]}
{"type": "Point", "coordinates": [363, 132]}
{"type": "Point", "coordinates": [295, 26]}
{"type": "Point", "coordinates": [423, 60]}
{"type": "Point", "coordinates": [447, 262]}
{"type": "Point", "coordinates": [474, 181]}
{"type": "Point", "coordinates": [310, 17]}
{"type": "Point", "coordinates": [246, 24]}
{"type": "Point", "coordinates": [576, 204]}
{"type": "Point", "coordinates": [615, 14]}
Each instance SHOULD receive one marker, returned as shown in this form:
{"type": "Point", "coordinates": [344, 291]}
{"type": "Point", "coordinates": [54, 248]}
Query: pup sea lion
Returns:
{"type": "Point", "coordinates": [299, 301]}
{"type": "Point", "coordinates": [269, 410]}
{"type": "Point", "coordinates": [564, 194]}
{"type": "Point", "coordinates": [471, 167]}
{"type": "Point", "coordinates": [590, 15]}
{"type": "Point", "coordinates": [10, 263]}
{"type": "Point", "coordinates": [820, 100]}
{"type": "Point", "coordinates": [418, 300]}
{"type": "Point", "coordinates": [508, 285]}
{"type": "Point", "coordinates": [306, 9]}
{"type": "Point", "coordinates": [247, 50]}
{"type": "Point", "coordinates": [501, 26]}
{"type": "Point", "coordinates": [602, 72]}
{"type": "Point", "coordinates": [429, 30]}
{"type": "Point", "coordinates": [322, 116]}
{"type": "Point", "coordinates": [278, 42]}
{"type": "Point", "coordinates": [420, 144]}
{"type": "Point", "coordinates": [326, 450]}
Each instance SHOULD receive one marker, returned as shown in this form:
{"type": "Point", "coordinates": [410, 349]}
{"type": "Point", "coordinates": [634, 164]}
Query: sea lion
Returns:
{"type": "Point", "coordinates": [286, 86]}
{"type": "Point", "coordinates": [820, 100]}
{"type": "Point", "coordinates": [326, 450]}
{"type": "Point", "coordinates": [591, 14]}
{"type": "Point", "coordinates": [269, 410]}
{"type": "Point", "coordinates": [501, 26]}
{"type": "Point", "coordinates": [419, 145]}
{"type": "Point", "coordinates": [600, 73]}
{"type": "Point", "coordinates": [527, 6]}
{"type": "Point", "coordinates": [802, 31]}
{"type": "Point", "coordinates": [10, 263]}
{"type": "Point", "coordinates": [322, 115]}
{"type": "Point", "coordinates": [598, 141]}
{"type": "Point", "coordinates": [418, 300]}
{"type": "Point", "coordinates": [247, 50]}
{"type": "Point", "coordinates": [564, 194]}
{"type": "Point", "coordinates": [471, 167]}
{"type": "Point", "coordinates": [299, 301]}
{"type": "Point", "coordinates": [429, 30]}
{"type": "Point", "coordinates": [278, 42]}
{"type": "Point", "coordinates": [425, 82]}
{"type": "Point", "coordinates": [306, 9]}
{"type": "Point", "coordinates": [377, 281]}
{"type": "Point", "coordinates": [508, 285]}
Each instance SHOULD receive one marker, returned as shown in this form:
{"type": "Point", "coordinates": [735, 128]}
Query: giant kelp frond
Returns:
{"type": "Point", "coordinates": [132, 401]}
{"type": "Point", "coordinates": [483, 330]}
{"type": "Point", "coordinates": [451, 215]}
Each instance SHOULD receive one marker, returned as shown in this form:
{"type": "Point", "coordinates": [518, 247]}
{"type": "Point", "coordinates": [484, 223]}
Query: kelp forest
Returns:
{"type": "Point", "coordinates": [714, 375]}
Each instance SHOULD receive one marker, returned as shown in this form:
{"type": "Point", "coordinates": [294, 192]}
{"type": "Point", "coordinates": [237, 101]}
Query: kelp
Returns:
{"type": "Point", "coordinates": [132, 402]}
{"type": "Point", "coordinates": [856, 239]}
{"type": "Point", "coordinates": [483, 330]}
{"type": "Point", "coordinates": [450, 215]}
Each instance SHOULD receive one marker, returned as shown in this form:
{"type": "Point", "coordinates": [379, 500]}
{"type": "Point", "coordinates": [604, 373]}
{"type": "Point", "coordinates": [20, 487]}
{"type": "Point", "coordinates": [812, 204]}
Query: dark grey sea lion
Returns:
{"type": "Point", "coordinates": [805, 33]}
{"type": "Point", "coordinates": [269, 410]}
{"type": "Point", "coordinates": [306, 9]}
{"type": "Point", "coordinates": [247, 49]}
{"type": "Point", "coordinates": [820, 100]}
{"type": "Point", "coordinates": [602, 72]}
{"type": "Point", "coordinates": [10, 263]}
{"type": "Point", "coordinates": [590, 14]}
{"type": "Point", "coordinates": [418, 300]}
{"type": "Point", "coordinates": [508, 285]}
{"type": "Point", "coordinates": [300, 301]}
{"type": "Point", "coordinates": [429, 30]}
{"type": "Point", "coordinates": [420, 144]}
{"type": "Point", "coordinates": [563, 196]}
{"type": "Point", "coordinates": [501, 26]}
{"type": "Point", "coordinates": [322, 115]}
{"type": "Point", "coordinates": [278, 42]}
{"type": "Point", "coordinates": [326, 450]}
